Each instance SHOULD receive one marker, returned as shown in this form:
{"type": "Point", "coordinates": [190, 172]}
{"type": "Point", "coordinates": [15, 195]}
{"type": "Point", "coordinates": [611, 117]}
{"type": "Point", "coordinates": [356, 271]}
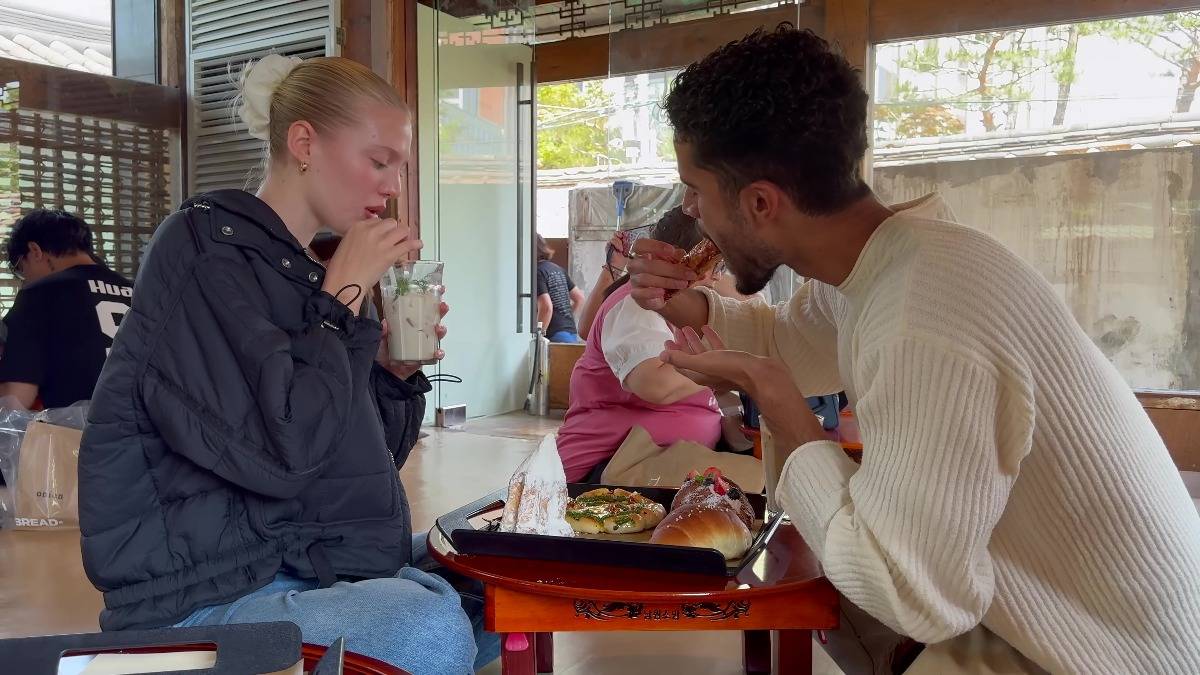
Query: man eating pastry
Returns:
{"type": "Point", "coordinates": [1013, 496]}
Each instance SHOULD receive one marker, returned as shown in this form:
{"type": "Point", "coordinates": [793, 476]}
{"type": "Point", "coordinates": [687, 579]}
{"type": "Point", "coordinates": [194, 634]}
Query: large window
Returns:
{"type": "Point", "coordinates": [113, 174]}
{"type": "Point", "coordinates": [594, 134]}
{"type": "Point", "coordinates": [72, 34]}
{"type": "Point", "coordinates": [71, 136]}
{"type": "Point", "coordinates": [605, 126]}
{"type": "Point", "coordinates": [1075, 145]}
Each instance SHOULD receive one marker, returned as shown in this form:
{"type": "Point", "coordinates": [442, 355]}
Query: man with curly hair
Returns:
{"type": "Point", "coordinates": [1014, 501]}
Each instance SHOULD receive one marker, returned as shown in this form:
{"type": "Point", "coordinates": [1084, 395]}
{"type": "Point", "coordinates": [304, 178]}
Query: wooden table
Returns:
{"type": "Point", "coordinates": [777, 601]}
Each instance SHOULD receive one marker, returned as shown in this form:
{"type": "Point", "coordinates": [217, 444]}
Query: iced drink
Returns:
{"type": "Point", "coordinates": [412, 295]}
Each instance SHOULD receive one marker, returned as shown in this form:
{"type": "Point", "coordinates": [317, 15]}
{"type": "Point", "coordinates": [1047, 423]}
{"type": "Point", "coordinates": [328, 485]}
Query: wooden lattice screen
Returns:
{"type": "Point", "coordinates": [103, 157]}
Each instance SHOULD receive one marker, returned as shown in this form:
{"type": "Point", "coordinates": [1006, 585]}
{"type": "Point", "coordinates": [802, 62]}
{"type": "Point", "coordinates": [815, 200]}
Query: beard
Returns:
{"type": "Point", "coordinates": [750, 262]}
{"type": "Point", "coordinates": [753, 279]}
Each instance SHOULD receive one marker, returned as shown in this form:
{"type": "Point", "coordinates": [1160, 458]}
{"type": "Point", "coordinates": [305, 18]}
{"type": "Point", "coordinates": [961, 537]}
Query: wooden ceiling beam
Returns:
{"type": "Point", "coordinates": [661, 47]}
{"type": "Point", "coordinates": [855, 25]}
{"type": "Point", "coordinates": [675, 45]}
{"type": "Point", "coordinates": [70, 92]}
{"type": "Point", "coordinates": [572, 59]}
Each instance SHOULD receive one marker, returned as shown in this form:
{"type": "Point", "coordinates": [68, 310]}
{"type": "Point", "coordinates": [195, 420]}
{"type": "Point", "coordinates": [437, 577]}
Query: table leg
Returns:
{"type": "Point", "coordinates": [756, 652]}
{"type": "Point", "coordinates": [793, 651]}
{"type": "Point", "coordinates": [517, 654]}
{"type": "Point", "coordinates": [544, 644]}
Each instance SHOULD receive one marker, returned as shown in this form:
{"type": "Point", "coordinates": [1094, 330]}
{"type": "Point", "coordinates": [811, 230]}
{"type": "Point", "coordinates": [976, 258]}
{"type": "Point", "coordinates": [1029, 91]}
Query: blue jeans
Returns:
{"type": "Point", "coordinates": [416, 620]}
{"type": "Point", "coordinates": [567, 336]}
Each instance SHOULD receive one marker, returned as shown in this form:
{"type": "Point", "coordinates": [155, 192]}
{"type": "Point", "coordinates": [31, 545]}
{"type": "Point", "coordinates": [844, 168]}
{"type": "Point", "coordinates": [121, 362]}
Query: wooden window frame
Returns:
{"type": "Point", "coordinates": [71, 127]}
{"type": "Point", "coordinates": [1176, 416]}
{"type": "Point", "coordinates": [382, 34]}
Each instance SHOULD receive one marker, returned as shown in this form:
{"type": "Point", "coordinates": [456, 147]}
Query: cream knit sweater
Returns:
{"type": "Point", "coordinates": [1009, 475]}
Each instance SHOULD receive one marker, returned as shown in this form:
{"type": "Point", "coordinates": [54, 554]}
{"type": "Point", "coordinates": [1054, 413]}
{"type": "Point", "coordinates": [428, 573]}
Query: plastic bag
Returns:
{"type": "Point", "coordinates": [39, 457]}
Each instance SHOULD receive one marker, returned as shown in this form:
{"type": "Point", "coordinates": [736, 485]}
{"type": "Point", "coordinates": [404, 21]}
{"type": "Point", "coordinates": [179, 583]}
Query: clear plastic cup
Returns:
{"type": "Point", "coordinates": [412, 296]}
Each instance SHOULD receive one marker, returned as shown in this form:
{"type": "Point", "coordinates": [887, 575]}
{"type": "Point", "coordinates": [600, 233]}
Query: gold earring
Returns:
{"type": "Point", "coordinates": [303, 167]}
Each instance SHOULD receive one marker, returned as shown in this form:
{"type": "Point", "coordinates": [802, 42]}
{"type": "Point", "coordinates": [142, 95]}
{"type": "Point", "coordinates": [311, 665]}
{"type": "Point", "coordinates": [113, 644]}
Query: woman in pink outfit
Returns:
{"type": "Point", "coordinates": [620, 383]}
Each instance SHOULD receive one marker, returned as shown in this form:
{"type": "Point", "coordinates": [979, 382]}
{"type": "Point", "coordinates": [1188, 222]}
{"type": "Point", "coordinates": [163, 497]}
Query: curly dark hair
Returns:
{"type": "Point", "coordinates": [779, 106]}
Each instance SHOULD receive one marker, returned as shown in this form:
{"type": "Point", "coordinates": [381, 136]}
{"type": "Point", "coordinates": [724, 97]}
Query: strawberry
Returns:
{"type": "Point", "coordinates": [720, 486]}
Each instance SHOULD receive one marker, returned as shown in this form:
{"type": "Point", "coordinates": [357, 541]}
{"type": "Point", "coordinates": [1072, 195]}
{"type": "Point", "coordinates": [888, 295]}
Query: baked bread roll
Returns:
{"type": "Point", "coordinates": [702, 260]}
{"type": "Point", "coordinates": [699, 484]}
{"type": "Point", "coordinates": [616, 511]}
{"type": "Point", "coordinates": [707, 512]}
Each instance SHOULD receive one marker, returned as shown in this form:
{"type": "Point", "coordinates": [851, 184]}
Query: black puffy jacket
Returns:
{"type": "Point", "coordinates": [241, 426]}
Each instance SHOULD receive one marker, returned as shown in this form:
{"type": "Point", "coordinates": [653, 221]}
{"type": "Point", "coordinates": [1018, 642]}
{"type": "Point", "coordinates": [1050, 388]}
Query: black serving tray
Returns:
{"type": "Point", "coordinates": [471, 540]}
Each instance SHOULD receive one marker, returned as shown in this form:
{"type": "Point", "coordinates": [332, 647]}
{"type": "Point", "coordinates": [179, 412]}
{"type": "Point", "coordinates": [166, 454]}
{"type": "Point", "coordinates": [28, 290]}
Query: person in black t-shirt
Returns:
{"type": "Point", "coordinates": [65, 317]}
{"type": "Point", "coordinates": [558, 298]}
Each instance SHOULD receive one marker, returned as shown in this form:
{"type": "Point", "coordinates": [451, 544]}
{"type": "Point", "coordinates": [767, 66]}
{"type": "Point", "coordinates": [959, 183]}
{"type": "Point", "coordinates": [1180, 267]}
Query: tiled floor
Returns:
{"type": "Point", "coordinates": [43, 589]}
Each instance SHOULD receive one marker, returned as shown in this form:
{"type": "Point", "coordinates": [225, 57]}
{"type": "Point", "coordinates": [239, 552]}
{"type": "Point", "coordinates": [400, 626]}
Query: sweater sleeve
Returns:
{"type": "Point", "coordinates": [801, 332]}
{"type": "Point", "coordinates": [905, 536]}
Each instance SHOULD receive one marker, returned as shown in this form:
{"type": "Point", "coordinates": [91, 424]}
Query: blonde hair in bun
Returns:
{"type": "Point", "coordinates": [278, 91]}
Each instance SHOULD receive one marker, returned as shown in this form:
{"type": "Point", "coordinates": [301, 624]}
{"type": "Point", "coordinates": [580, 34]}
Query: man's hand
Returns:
{"type": "Point", "coordinates": [405, 369]}
{"type": "Point", "coordinates": [768, 381]}
{"type": "Point", "coordinates": [711, 365]}
{"type": "Point", "coordinates": [654, 269]}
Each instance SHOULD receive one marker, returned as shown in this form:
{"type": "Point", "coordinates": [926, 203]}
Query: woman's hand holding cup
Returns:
{"type": "Point", "coordinates": [366, 251]}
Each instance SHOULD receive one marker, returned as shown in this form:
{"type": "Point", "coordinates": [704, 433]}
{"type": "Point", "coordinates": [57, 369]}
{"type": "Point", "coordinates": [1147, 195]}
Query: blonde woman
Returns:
{"type": "Point", "coordinates": [240, 462]}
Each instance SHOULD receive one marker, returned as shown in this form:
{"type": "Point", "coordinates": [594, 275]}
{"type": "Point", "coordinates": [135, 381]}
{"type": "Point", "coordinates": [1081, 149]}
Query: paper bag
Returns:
{"type": "Point", "coordinates": [46, 494]}
{"type": "Point", "coordinates": [640, 461]}
{"type": "Point", "coordinates": [537, 495]}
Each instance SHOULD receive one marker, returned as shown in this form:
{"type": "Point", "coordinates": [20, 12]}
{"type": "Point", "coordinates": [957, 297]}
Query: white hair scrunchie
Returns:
{"type": "Point", "coordinates": [258, 84]}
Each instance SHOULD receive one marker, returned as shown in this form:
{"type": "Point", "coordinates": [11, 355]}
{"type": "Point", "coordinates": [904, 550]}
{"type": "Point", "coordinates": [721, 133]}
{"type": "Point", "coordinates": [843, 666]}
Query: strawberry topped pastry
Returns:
{"type": "Point", "coordinates": [709, 511]}
{"type": "Point", "coordinates": [711, 481]}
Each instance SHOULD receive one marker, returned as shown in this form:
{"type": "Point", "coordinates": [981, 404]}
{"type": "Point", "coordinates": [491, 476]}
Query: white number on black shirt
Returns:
{"type": "Point", "coordinates": [110, 313]}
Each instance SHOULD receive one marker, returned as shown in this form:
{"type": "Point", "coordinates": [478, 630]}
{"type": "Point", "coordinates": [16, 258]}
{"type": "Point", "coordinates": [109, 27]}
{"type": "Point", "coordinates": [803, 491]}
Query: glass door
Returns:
{"type": "Point", "coordinates": [477, 195]}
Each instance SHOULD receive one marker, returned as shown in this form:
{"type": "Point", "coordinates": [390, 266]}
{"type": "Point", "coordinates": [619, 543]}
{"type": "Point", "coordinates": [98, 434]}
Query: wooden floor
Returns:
{"type": "Point", "coordinates": [43, 589]}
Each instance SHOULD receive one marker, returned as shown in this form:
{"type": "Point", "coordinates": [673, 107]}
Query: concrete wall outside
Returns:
{"type": "Point", "coordinates": [1115, 233]}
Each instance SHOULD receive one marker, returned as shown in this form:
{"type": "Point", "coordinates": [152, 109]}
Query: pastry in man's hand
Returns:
{"type": "Point", "coordinates": [702, 260]}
